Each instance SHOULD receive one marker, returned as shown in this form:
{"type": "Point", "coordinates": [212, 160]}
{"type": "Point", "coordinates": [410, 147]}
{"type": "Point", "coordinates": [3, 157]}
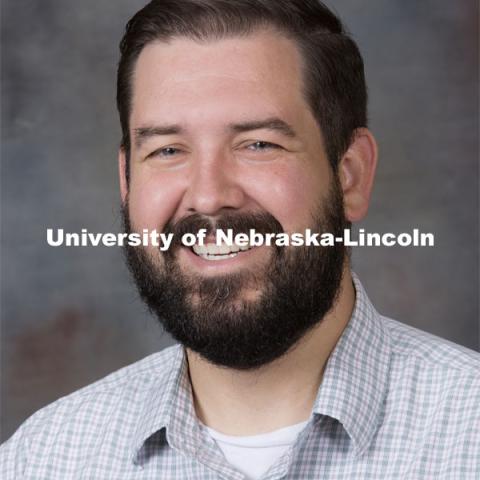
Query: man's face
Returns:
{"type": "Point", "coordinates": [220, 131]}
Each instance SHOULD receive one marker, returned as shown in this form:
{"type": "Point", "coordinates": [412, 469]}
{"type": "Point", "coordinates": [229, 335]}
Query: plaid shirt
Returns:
{"type": "Point", "coordinates": [394, 403]}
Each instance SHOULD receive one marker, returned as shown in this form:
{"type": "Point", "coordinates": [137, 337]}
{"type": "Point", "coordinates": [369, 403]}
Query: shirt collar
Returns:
{"type": "Point", "coordinates": [169, 405]}
{"type": "Point", "coordinates": [352, 391]}
{"type": "Point", "coordinates": [355, 380]}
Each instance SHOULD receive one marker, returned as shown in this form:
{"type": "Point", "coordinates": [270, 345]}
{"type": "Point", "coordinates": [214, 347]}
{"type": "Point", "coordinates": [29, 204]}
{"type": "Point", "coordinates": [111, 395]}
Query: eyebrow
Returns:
{"type": "Point", "coordinates": [142, 134]}
{"type": "Point", "coordinates": [274, 123]}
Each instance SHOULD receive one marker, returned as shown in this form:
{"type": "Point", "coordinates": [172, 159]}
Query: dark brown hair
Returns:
{"type": "Point", "coordinates": [333, 75]}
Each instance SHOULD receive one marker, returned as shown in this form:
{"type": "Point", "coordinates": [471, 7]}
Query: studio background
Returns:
{"type": "Point", "coordinates": [71, 315]}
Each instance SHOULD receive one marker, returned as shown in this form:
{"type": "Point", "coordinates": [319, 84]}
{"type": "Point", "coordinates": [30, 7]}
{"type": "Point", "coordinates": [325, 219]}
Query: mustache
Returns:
{"type": "Point", "coordinates": [261, 222]}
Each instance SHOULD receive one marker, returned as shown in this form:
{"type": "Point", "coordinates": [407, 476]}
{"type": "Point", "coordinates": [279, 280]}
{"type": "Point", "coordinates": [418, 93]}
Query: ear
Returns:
{"type": "Point", "coordinates": [122, 173]}
{"type": "Point", "coordinates": [356, 173]}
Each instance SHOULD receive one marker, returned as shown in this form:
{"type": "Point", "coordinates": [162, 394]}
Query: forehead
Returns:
{"type": "Point", "coordinates": [238, 77]}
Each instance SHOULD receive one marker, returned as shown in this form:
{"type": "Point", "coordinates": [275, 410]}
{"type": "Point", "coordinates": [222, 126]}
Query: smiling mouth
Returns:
{"type": "Point", "coordinates": [211, 251]}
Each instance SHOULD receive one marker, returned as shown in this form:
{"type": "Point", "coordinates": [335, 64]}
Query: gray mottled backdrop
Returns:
{"type": "Point", "coordinates": [70, 316]}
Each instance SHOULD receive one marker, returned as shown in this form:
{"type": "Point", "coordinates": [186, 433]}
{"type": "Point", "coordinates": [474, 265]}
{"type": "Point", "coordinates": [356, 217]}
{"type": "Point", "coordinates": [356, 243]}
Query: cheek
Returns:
{"type": "Point", "coordinates": [290, 194]}
{"type": "Point", "coordinates": [153, 199]}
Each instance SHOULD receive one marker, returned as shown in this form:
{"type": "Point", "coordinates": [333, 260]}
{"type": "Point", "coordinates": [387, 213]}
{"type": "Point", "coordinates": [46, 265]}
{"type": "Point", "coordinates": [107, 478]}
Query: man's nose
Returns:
{"type": "Point", "coordinates": [214, 184]}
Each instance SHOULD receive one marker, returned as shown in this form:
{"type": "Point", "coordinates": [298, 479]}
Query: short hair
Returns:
{"type": "Point", "coordinates": [333, 76]}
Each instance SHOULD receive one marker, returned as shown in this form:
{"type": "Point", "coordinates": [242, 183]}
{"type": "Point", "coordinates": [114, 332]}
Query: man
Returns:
{"type": "Point", "coordinates": [251, 114]}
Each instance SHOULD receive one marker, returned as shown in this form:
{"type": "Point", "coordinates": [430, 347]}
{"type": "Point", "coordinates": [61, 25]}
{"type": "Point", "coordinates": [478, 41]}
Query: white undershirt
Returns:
{"type": "Point", "coordinates": [254, 455]}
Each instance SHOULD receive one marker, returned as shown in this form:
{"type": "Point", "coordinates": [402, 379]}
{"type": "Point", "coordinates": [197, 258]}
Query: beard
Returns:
{"type": "Point", "coordinates": [214, 317]}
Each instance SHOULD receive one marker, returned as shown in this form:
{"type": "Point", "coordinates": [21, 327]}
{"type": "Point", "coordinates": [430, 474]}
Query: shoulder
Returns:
{"type": "Point", "coordinates": [410, 344]}
{"type": "Point", "coordinates": [133, 376]}
{"type": "Point", "coordinates": [87, 412]}
{"type": "Point", "coordinates": [436, 381]}
{"type": "Point", "coordinates": [129, 380]}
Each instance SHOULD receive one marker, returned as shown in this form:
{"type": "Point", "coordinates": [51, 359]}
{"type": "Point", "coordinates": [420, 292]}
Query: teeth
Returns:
{"type": "Point", "coordinates": [218, 250]}
{"type": "Point", "coordinates": [219, 257]}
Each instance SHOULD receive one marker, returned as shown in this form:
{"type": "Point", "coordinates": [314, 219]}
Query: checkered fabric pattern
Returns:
{"type": "Point", "coordinates": [394, 403]}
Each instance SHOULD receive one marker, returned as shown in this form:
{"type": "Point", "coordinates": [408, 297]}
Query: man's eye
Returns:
{"type": "Point", "coordinates": [165, 152]}
{"type": "Point", "coordinates": [262, 146]}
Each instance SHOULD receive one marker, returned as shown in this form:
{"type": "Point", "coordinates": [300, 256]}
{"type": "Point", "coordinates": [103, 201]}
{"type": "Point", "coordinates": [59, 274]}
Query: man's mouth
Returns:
{"type": "Point", "coordinates": [211, 251]}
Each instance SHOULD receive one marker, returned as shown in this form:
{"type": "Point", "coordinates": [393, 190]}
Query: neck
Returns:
{"type": "Point", "coordinates": [276, 395]}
